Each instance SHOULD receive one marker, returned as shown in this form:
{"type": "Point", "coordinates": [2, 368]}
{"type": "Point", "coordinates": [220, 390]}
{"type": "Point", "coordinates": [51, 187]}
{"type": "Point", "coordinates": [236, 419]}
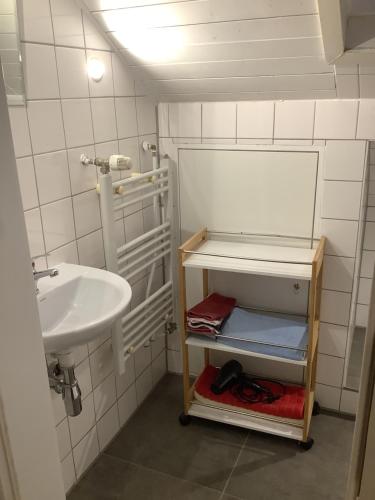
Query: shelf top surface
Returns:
{"type": "Point", "coordinates": [271, 260]}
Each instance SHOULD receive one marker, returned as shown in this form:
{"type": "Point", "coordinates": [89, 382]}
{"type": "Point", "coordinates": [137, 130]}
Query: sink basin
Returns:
{"type": "Point", "coordinates": [79, 304]}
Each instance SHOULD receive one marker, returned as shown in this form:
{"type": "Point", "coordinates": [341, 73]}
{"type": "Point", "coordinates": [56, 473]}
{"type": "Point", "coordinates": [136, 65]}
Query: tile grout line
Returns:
{"type": "Point", "coordinates": [234, 467]}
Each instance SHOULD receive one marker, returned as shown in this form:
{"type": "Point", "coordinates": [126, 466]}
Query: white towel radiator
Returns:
{"type": "Point", "coordinates": [155, 314]}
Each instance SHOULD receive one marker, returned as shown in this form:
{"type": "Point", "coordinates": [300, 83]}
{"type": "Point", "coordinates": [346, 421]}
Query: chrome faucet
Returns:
{"type": "Point", "coordinates": [52, 272]}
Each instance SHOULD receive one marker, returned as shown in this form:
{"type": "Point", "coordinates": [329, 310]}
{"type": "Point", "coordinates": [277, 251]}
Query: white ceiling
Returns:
{"type": "Point", "coordinates": [220, 49]}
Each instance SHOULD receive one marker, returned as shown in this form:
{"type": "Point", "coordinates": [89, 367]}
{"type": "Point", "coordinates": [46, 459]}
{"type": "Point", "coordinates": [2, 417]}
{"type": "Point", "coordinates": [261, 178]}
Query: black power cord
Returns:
{"type": "Point", "coordinates": [252, 390]}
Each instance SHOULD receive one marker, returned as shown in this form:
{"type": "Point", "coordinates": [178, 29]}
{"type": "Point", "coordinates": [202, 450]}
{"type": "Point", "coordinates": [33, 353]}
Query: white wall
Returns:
{"type": "Point", "coordinates": [325, 123]}
{"type": "Point", "coordinates": [66, 115]}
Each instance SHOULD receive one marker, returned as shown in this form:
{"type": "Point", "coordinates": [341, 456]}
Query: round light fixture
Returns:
{"type": "Point", "coordinates": [95, 69]}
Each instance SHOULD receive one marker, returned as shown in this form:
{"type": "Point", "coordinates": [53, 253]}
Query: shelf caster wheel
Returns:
{"type": "Point", "coordinates": [306, 445]}
{"type": "Point", "coordinates": [184, 419]}
{"type": "Point", "coordinates": [316, 409]}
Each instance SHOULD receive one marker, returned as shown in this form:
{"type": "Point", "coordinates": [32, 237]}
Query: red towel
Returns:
{"type": "Point", "coordinates": [290, 405]}
{"type": "Point", "coordinates": [208, 316]}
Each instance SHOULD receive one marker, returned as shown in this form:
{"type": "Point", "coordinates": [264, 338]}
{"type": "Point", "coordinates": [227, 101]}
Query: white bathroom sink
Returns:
{"type": "Point", "coordinates": [79, 304]}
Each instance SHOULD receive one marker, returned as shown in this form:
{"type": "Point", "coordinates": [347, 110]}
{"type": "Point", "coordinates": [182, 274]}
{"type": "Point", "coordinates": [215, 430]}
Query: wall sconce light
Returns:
{"type": "Point", "coordinates": [95, 69]}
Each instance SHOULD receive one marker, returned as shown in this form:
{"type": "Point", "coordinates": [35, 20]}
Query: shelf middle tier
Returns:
{"type": "Point", "coordinates": [264, 260]}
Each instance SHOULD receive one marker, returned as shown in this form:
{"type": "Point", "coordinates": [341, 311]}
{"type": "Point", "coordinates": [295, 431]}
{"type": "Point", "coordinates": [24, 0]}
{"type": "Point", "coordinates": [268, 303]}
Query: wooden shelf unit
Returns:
{"type": "Point", "coordinates": [266, 260]}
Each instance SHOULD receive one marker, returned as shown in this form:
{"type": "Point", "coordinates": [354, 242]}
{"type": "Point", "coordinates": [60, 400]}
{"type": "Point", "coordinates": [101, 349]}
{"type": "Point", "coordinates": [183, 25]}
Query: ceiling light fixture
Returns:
{"type": "Point", "coordinates": [95, 69]}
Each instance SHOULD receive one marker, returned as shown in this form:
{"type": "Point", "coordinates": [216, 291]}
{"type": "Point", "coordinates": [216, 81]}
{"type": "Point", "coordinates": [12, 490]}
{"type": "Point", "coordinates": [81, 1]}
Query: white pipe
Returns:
{"type": "Point", "coordinates": [140, 198]}
{"type": "Point", "coordinates": [144, 256]}
{"type": "Point", "coordinates": [148, 325]}
{"type": "Point", "coordinates": [143, 237]}
{"type": "Point", "coordinates": [129, 323]}
{"type": "Point", "coordinates": [148, 320]}
{"type": "Point", "coordinates": [140, 177]}
{"type": "Point", "coordinates": [147, 301]}
{"type": "Point", "coordinates": [142, 342]}
{"type": "Point", "coordinates": [141, 248]}
{"type": "Point", "coordinates": [157, 212]}
{"type": "Point", "coordinates": [141, 268]}
{"type": "Point", "coordinates": [147, 185]}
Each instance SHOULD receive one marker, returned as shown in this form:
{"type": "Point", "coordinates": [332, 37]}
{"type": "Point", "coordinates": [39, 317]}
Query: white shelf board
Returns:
{"type": "Point", "coordinates": [206, 343]}
{"type": "Point", "coordinates": [276, 427]}
{"type": "Point", "coordinates": [265, 260]}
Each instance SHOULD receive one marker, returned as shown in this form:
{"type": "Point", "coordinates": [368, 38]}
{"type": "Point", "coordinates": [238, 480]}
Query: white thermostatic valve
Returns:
{"type": "Point", "coordinates": [120, 162]}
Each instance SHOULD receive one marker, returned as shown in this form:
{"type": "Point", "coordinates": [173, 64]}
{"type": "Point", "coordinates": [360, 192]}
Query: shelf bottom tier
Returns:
{"type": "Point", "coordinates": [275, 426]}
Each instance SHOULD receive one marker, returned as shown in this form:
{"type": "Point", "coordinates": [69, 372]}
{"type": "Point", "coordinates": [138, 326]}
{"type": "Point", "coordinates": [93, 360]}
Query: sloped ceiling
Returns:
{"type": "Point", "coordinates": [220, 49]}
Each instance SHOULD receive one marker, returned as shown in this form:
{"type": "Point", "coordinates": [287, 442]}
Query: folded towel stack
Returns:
{"type": "Point", "coordinates": [207, 317]}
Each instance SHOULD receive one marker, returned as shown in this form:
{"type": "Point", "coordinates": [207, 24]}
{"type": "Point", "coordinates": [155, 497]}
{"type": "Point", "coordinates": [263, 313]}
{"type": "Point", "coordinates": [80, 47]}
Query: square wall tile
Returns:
{"type": "Point", "coordinates": [133, 226]}
{"type": "Point", "coordinates": [108, 426]}
{"type": "Point", "coordinates": [20, 130]}
{"type": "Point", "coordinates": [46, 126]}
{"type": "Point", "coordinates": [219, 119]}
{"type": "Point", "coordinates": [255, 119]}
{"type": "Point", "coordinates": [36, 22]}
{"type": "Point", "coordinates": [294, 119]}
{"type": "Point", "coordinates": [72, 62]}
{"type": "Point", "coordinates": [83, 374]}
{"type": "Point", "coordinates": [362, 315]}
{"type": "Point", "coordinates": [338, 273]}
{"type": "Point", "coordinates": [335, 119]}
{"type": "Point", "coordinates": [91, 250]}
{"type": "Point", "coordinates": [34, 232]}
{"type": "Point", "coordinates": [126, 117]}
{"type": "Point", "coordinates": [26, 179]}
{"type": "Point", "coordinates": [364, 291]}
{"type": "Point", "coordinates": [124, 381]}
{"type": "Point", "coordinates": [82, 178]}
{"type": "Point", "coordinates": [103, 87]}
{"type": "Point", "coordinates": [143, 385]}
{"type": "Point", "coordinates": [328, 396]}
{"type": "Point", "coordinates": [329, 370]}
{"type": "Point", "coordinates": [185, 119]}
{"type": "Point", "coordinates": [52, 175]}
{"type": "Point", "coordinates": [332, 339]}
{"type": "Point", "coordinates": [344, 160]}
{"type": "Point", "coordinates": [68, 253]}
{"type": "Point", "coordinates": [349, 402]}
{"type": "Point", "coordinates": [77, 122]}
{"type": "Point", "coordinates": [146, 115]}
{"type": "Point", "coordinates": [127, 404]}
{"type": "Point", "coordinates": [67, 23]}
{"type": "Point", "coordinates": [341, 236]}
{"type": "Point", "coordinates": [163, 119]}
{"type": "Point", "coordinates": [58, 223]}
{"type": "Point", "coordinates": [142, 359]}
{"type": "Point", "coordinates": [368, 264]}
{"type": "Point", "coordinates": [104, 396]}
{"type": "Point", "coordinates": [341, 200]}
{"type": "Point", "coordinates": [104, 119]}
{"type": "Point", "coordinates": [369, 240]}
{"type": "Point", "coordinates": [93, 38]}
{"type": "Point", "coordinates": [367, 86]}
{"type": "Point", "coordinates": [40, 71]}
{"type": "Point", "coordinates": [63, 439]}
{"type": "Point", "coordinates": [335, 307]}
{"type": "Point", "coordinates": [159, 368]}
{"type": "Point", "coordinates": [347, 86]}
{"type": "Point", "coordinates": [366, 119]}
{"type": "Point", "coordinates": [122, 78]}
{"type": "Point", "coordinates": [68, 472]}
{"type": "Point", "coordinates": [86, 212]}
{"type": "Point", "coordinates": [86, 452]}
{"type": "Point", "coordinates": [101, 363]}
{"type": "Point", "coordinates": [80, 425]}
{"type": "Point", "coordinates": [58, 407]}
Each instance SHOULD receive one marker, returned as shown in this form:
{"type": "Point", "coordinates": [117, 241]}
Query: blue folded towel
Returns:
{"type": "Point", "coordinates": [275, 330]}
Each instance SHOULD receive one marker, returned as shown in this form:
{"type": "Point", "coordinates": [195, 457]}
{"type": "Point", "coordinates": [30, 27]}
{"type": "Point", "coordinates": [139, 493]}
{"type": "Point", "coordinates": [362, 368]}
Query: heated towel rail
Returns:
{"type": "Point", "coordinates": [140, 256]}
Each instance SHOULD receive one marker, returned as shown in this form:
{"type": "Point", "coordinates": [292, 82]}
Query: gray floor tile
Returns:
{"type": "Point", "coordinates": [271, 467]}
{"type": "Point", "coordinates": [203, 452]}
{"type": "Point", "coordinates": [113, 479]}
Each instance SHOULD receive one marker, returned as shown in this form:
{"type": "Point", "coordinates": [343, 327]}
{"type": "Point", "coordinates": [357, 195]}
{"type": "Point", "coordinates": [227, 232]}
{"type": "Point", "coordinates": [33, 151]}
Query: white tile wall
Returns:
{"type": "Point", "coordinates": [66, 115]}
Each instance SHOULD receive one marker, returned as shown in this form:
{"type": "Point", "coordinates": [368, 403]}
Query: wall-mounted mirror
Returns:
{"type": "Point", "coordinates": [10, 53]}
